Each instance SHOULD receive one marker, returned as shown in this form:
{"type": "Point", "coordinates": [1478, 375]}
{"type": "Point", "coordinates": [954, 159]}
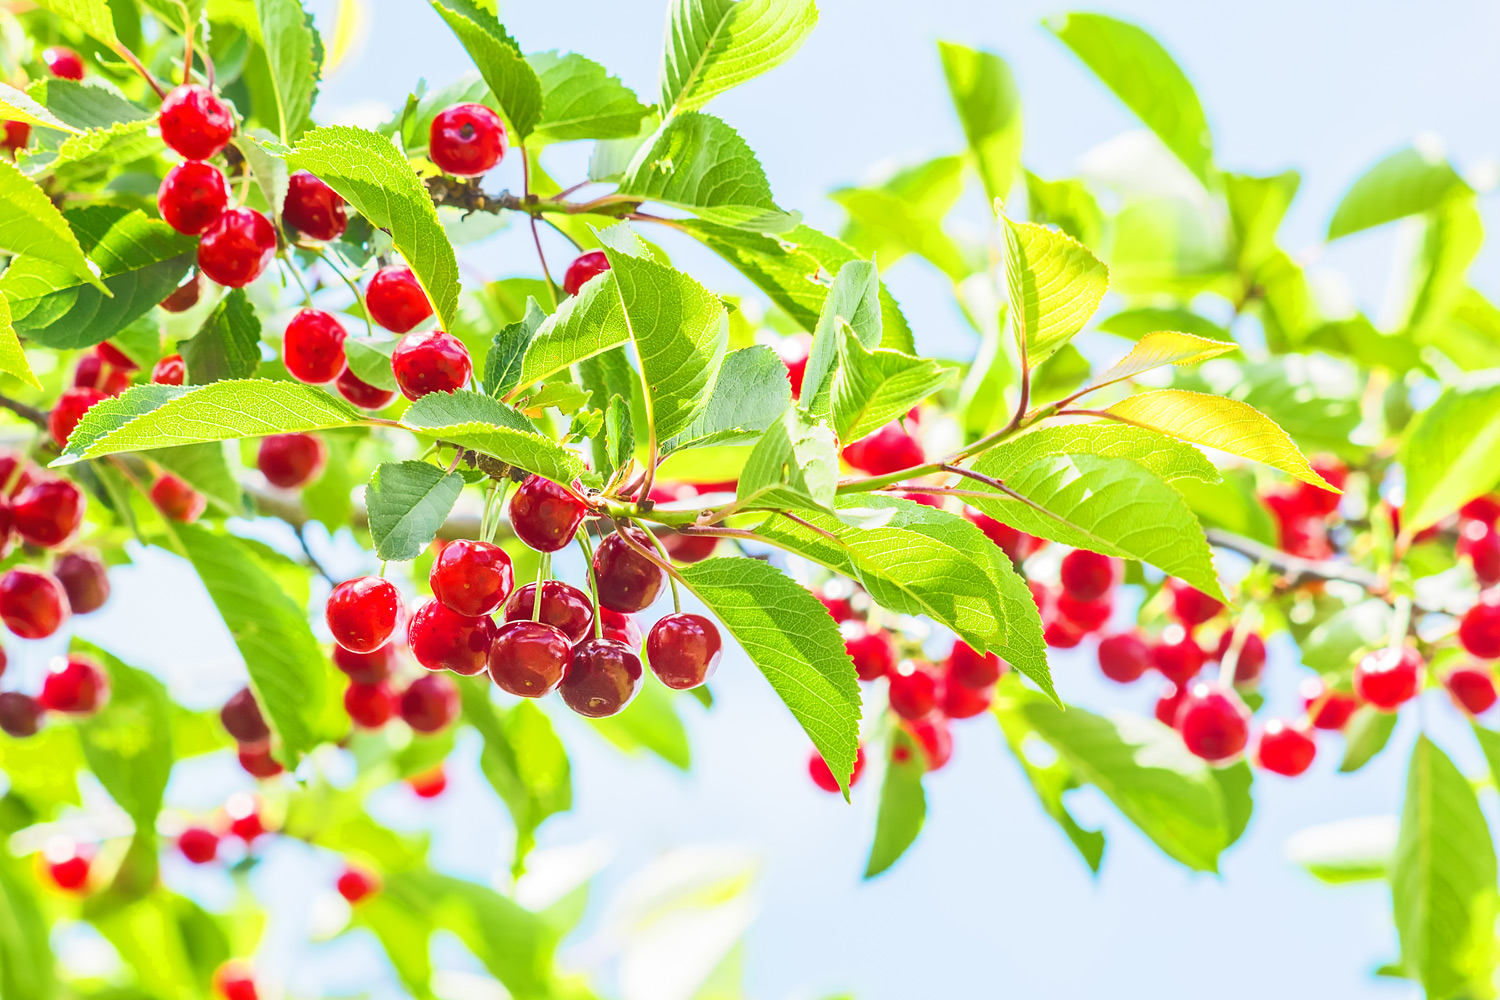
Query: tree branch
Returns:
{"type": "Point", "coordinates": [24, 411]}
{"type": "Point", "coordinates": [1296, 569]}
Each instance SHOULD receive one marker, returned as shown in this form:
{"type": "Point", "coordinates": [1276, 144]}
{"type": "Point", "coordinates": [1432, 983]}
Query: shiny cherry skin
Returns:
{"type": "Point", "coordinates": [70, 874]}
{"type": "Point", "coordinates": [312, 348]}
{"type": "Point", "coordinates": [466, 140]}
{"type": "Point", "coordinates": [362, 613]}
{"type": "Point", "coordinates": [430, 784]}
{"type": "Point", "coordinates": [794, 352]}
{"type": "Point", "coordinates": [873, 653]}
{"type": "Point", "coordinates": [622, 627]}
{"type": "Point", "coordinates": [17, 136]}
{"type": "Point", "coordinates": [69, 410]}
{"type": "Point", "coordinates": [194, 122]}
{"type": "Point", "coordinates": [1481, 545]}
{"type": "Point", "coordinates": [528, 659]}
{"type": "Point", "coordinates": [75, 686]}
{"type": "Point", "coordinates": [115, 358]}
{"type": "Point", "coordinates": [1327, 709]}
{"type": "Point", "coordinates": [242, 718]}
{"type": "Point", "coordinates": [1059, 633]}
{"type": "Point", "coordinates": [1085, 575]}
{"type": "Point", "coordinates": [355, 885]}
{"type": "Point", "coordinates": [1472, 688]}
{"type": "Point", "coordinates": [63, 63]}
{"type": "Point", "coordinates": [20, 714]}
{"type": "Point", "coordinates": [972, 669]}
{"type": "Point", "coordinates": [687, 549]}
{"type": "Point", "coordinates": [1214, 723]}
{"type": "Point", "coordinates": [1286, 748]}
{"type": "Point", "coordinates": [430, 361]}
{"type": "Point", "coordinates": [1252, 661]}
{"type": "Point", "coordinates": [442, 639]}
{"type": "Point", "coordinates": [237, 248]}
{"type": "Point", "coordinates": [564, 607]}
{"type": "Point", "coordinates": [958, 701]}
{"type": "Point", "coordinates": [430, 703]}
{"type": "Point", "coordinates": [584, 267]}
{"type": "Point", "coordinates": [1178, 661]}
{"type": "Point", "coordinates": [1479, 630]}
{"type": "Point", "coordinates": [545, 515]}
{"type": "Point", "coordinates": [33, 603]}
{"type": "Point", "coordinates": [395, 300]}
{"type": "Point", "coordinates": [472, 578]}
{"type": "Point", "coordinates": [314, 208]}
{"type": "Point", "coordinates": [684, 650]}
{"type": "Point", "coordinates": [1190, 605]}
{"type": "Point", "coordinates": [627, 580]}
{"type": "Point", "coordinates": [184, 298]}
{"type": "Point", "coordinates": [369, 706]}
{"type": "Point", "coordinates": [94, 373]}
{"type": "Point", "coordinates": [361, 393]}
{"type": "Point", "coordinates": [934, 739]}
{"type": "Point", "coordinates": [1085, 616]}
{"type": "Point", "coordinates": [602, 678]}
{"type": "Point", "coordinates": [1484, 509]}
{"type": "Point", "coordinates": [890, 449]}
{"type": "Point", "coordinates": [198, 844]}
{"type": "Point", "coordinates": [176, 500]}
{"type": "Point", "coordinates": [170, 370]}
{"type": "Point", "coordinates": [256, 760]}
{"type": "Point", "coordinates": [366, 668]}
{"type": "Point", "coordinates": [913, 690]}
{"type": "Point", "coordinates": [822, 774]}
{"type": "Point", "coordinates": [1168, 702]}
{"type": "Point", "coordinates": [48, 512]}
{"type": "Point", "coordinates": [192, 197]}
{"type": "Point", "coordinates": [1388, 678]}
{"type": "Point", "coordinates": [1124, 658]}
{"type": "Point", "coordinates": [291, 461]}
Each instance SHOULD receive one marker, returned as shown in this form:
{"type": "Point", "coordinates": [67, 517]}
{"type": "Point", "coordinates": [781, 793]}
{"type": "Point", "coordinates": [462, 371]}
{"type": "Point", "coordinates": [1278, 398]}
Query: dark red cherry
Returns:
{"type": "Point", "coordinates": [33, 603]}
{"type": "Point", "coordinates": [48, 512]}
{"type": "Point", "coordinates": [822, 774]}
{"type": "Point", "coordinates": [564, 607]}
{"type": "Point", "coordinates": [362, 613]}
{"type": "Point", "coordinates": [312, 348]}
{"type": "Point", "coordinates": [1178, 661]}
{"type": "Point", "coordinates": [355, 885]}
{"type": "Point", "coordinates": [63, 63]}
{"type": "Point", "coordinates": [1285, 748]}
{"type": "Point", "coordinates": [314, 208]}
{"type": "Point", "coordinates": [361, 393]}
{"type": "Point", "coordinates": [1190, 605]}
{"type": "Point", "coordinates": [198, 845]}
{"type": "Point", "coordinates": [17, 136]}
{"type": "Point", "coordinates": [15, 473]}
{"type": "Point", "coordinates": [69, 410]}
{"type": "Point", "coordinates": [972, 669]}
{"type": "Point", "coordinates": [627, 580]}
{"type": "Point", "coordinates": [1472, 688]}
{"type": "Point", "coordinates": [1479, 630]}
{"type": "Point", "coordinates": [184, 298]}
{"type": "Point", "coordinates": [1387, 678]}
{"type": "Point", "coordinates": [93, 372]}
{"type": "Point", "coordinates": [1085, 575]}
{"type": "Point", "coordinates": [429, 703]}
{"type": "Point", "coordinates": [430, 361]}
{"type": "Point", "coordinates": [194, 122]}
{"type": "Point", "coordinates": [1247, 669]}
{"type": "Point", "coordinates": [369, 706]}
{"type": "Point", "coordinates": [529, 658]}
{"type": "Point", "coordinates": [256, 760]}
{"type": "Point", "coordinates": [75, 686]}
{"type": "Point", "coordinates": [623, 628]}
{"type": "Point", "coordinates": [466, 140]}
{"type": "Point", "coordinates": [545, 515]}
{"type": "Point", "coordinates": [116, 358]}
{"type": "Point", "coordinates": [584, 267]}
{"type": "Point", "coordinates": [472, 578]}
{"type": "Point", "coordinates": [20, 714]}
{"type": "Point", "coordinates": [1123, 658]}
{"type": "Point", "coordinates": [1214, 723]}
{"type": "Point", "coordinates": [683, 650]}
{"type": "Point", "coordinates": [1085, 616]}
{"type": "Point", "coordinates": [1327, 709]}
{"type": "Point", "coordinates": [442, 639]}
{"type": "Point", "coordinates": [958, 701]}
{"type": "Point", "coordinates": [242, 718]}
{"type": "Point", "coordinates": [913, 691]}
{"type": "Point", "coordinates": [934, 738]}
{"type": "Point", "coordinates": [873, 653]}
{"type": "Point", "coordinates": [366, 668]}
{"type": "Point", "coordinates": [291, 461]}
{"type": "Point", "coordinates": [395, 300]}
{"type": "Point", "coordinates": [888, 450]}
{"type": "Point", "coordinates": [169, 371]}
{"type": "Point", "coordinates": [602, 678]}
{"type": "Point", "coordinates": [192, 197]}
{"type": "Point", "coordinates": [237, 248]}
{"type": "Point", "coordinates": [177, 500]}
{"type": "Point", "coordinates": [430, 784]}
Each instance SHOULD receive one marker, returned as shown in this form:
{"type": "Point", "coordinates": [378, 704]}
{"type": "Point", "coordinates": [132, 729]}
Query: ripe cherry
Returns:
{"type": "Point", "coordinates": [430, 361]}
{"type": "Point", "coordinates": [429, 784]}
{"type": "Point", "coordinates": [545, 515]}
{"type": "Point", "coordinates": [913, 690]}
{"type": "Point", "coordinates": [1485, 509]}
{"type": "Point", "coordinates": [33, 603]}
{"type": "Point", "coordinates": [1247, 669]}
{"type": "Point", "coordinates": [684, 650]}
{"type": "Point", "coordinates": [934, 738]}
{"type": "Point", "coordinates": [361, 393]}
{"type": "Point", "coordinates": [235, 981]}
{"type": "Point", "coordinates": [177, 500]}
{"type": "Point", "coordinates": [75, 686]}
{"type": "Point", "coordinates": [1016, 544]}
{"type": "Point", "coordinates": [584, 267]}
{"type": "Point", "coordinates": [564, 607]}
{"type": "Point", "coordinates": [69, 410]}
{"type": "Point", "coordinates": [794, 352]}
{"type": "Point", "coordinates": [1059, 633]}
{"type": "Point", "coordinates": [67, 865]}
{"type": "Point", "coordinates": [838, 608]}
{"type": "Point", "coordinates": [115, 358]}
{"type": "Point", "coordinates": [1326, 708]}
{"type": "Point", "coordinates": [93, 372]}
{"type": "Point", "coordinates": [442, 639]}
{"type": "Point", "coordinates": [291, 461]}
{"type": "Point", "coordinates": [1315, 500]}
{"type": "Point", "coordinates": [622, 628]}
{"type": "Point", "coordinates": [48, 512]}
{"type": "Point", "coordinates": [237, 248]}
{"type": "Point", "coordinates": [890, 449]}
{"type": "Point", "coordinates": [63, 63]}
{"type": "Point", "coordinates": [602, 678]}
{"type": "Point", "coordinates": [1479, 630]}
{"type": "Point", "coordinates": [355, 884]}
{"type": "Point", "coordinates": [20, 714]}
{"type": "Point", "coordinates": [1214, 723]}
{"type": "Point", "coordinates": [1168, 702]}
{"type": "Point", "coordinates": [466, 140]}
{"type": "Point", "coordinates": [429, 703]}
{"type": "Point", "coordinates": [257, 761]}
{"type": "Point", "coordinates": [1387, 678]}
{"type": "Point", "coordinates": [873, 653]}
{"type": "Point", "coordinates": [472, 578]}
{"type": "Point", "coordinates": [169, 371]}
{"type": "Point", "coordinates": [366, 668]}
{"type": "Point", "coordinates": [957, 701]}
{"type": "Point", "coordinates": [17, 136]}
{"type": "Point", "coordinates": [1481, 543]}
{"type": "Point", "coordinates": [1190, 605]}
{"type": "Point", "coordinates": [395, 300]}
{"type": "Point", "coordinates": [314, 208]}
{"type": "Point", "coordinates": [198, 844]}
{"type": "Point", "coordinates": [194, 122]}
{"type": "Point", "coordinates": [369, 706]}
{"type": "Point", "coordinates": [15, 473]}
{"type": "Point", "coordinates": [362, 613]}
{"type": "Point", "coordinates": [184, 298]}
{"type": "Point", "coordinates": [1085, 616]}
{"type": "Point", "coordinates": [1472, 688]}
{"type": "Point", "coordinates": [1285, 748]}
{"type": "Point", "coordinates": [192, 197]}
{"type": "Point", "coordinates": [627, 580]}
{"type": "Point", "coordinates": [1085, 575]}
{"type": "Point", "coordinates": [1123, 658]}
{"type": "Point", "coordinates": [968, 667]}
{"type": "Point", "coordinates": [528, 658]}
{"type": "Point", "coordinates": [312, 347]}
{"type": "Point", "coordinates": [242, 718]}
{"type": "Point", "coordinates": [1178, 661]}
{"type": "Point", "coordinates": [822, 774]}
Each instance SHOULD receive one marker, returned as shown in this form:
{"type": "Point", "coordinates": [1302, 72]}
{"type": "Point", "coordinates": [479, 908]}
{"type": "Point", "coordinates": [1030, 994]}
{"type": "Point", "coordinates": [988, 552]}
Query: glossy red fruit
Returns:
{"type": "Point", "coordinates": [20, 714]}
{"type": "Point", "coordinates": [564, 607]}
{"type": "Point", "coordinates": [115, 358]}
{"type": "Point", "coordinates": [528, 658]}
{"type": "Point", "coordinates": [1059, 633]}
{"type": "Point", "coordinates": [1472, 688]}
{"type": "Point", "coordinates": [958, 701]}
{"type": "Point", "coordinates": [312, 348]}
{"type": "Point", "coordinates": [584, 267]}
{"type": "Point", "coordinates": [913, 690]}
{"type": "Point", "coordinates": [184, 298]}
{"type": "Point", "coordinates": [169, 371]}
{"type": "Point", "coordinates": [1168, 702]}
{"type": "Point", "coordinates": [873, 653]}
{"type": "Point", "coordinates": [237, 248]}
{"type": "Point", "coordinates": [429, 703]}
{"type": "Point", "coordinates": [48, 512]}
{"type": "Point", "coordinates": [1479, 630]}
{"type": "Point", "coordinates": [1190, 605]}
{"type": "Point", "coordinates": [366, 668]}
{"type": "Point", "coordinates": [198, 844]}
{"type": "Point", "coordinates": [257, 761]}
{"type": "Point", "coordinates": [442, 639]}
{"type": "Point", "coordinates": [369, 706]}
{"type": "Point", "coordinates": [33, 603]}
{"type": "Point", "coordinates": [361, 393]}
{"type": "Point", "coordinates": [93, 373]}
{"type": "Point", "coordinates": [603, 677]}
{"type": "Point", "coordinates": [545, 515]}
{"type": "Point", "coordinates": [1123, 658]}
{"type": "Point", "coordinates": [291, 461]}
{"type": "Point", "coordinates": [192, 197]}
{"type": "Point", "coordinates": [687, 549]}
{"type": "Point", "coordinates": [177, 500]}
{"type": "Point", "coordinates": [1485, 509]}
{"type": "Point", "coordinates": [362, 613]}
{"type": "Point", "coordinates": [1214, 723]}
{"type": "Point", "coordinates": [242, 718]}
{"type": "Point", "coordinates": [794, 352]}
{"type": "Point", "coordinates": [1085, 575]}
{"type": "Point", "coordinates": [15, 473]}
{"type": "Point", "coordinates": [624, 628]}
{"type": "Point", "coordinates": [822, 774]}
{"type": "Point", "coordinates": [395, 300]}
{"type": "Point", "coordinates": [235, 981]}
{"type": "Point", "coordinates": [1016, 544]}
{"type": "Point", "coordinates": [1327, 709]}
{"type": "Point", "coordinates": [972, 669]}
{"type": "Point", "coordinates": [1252, 661]}
{"type": "Point", "coordinates": [472, 578]}
{"type": "Point", "coordinates": [314, 208]}
{"type": "Point", "coordinates": [1317, 501]}
{"type": "Point", "coordinates": [1286, 748]}
{"type": "Point", "coordinates": [1086, 616]}
{"type": "Point", "coordinates": [1387, 678]}
{"type": "Point", "coordinates": [1480, 542]}
{"type": "Point", "coordinates": [684, 650]}
{"type": "Point", "coordinates": [17, 135]}
{"type": "Point", "coordinates": [75, 686]}
{"type": "Point", "coordinates": [466, 140]}
{"type": "Point", "coordinates": [430, 784]}
{"type": "Point", "coordinates": [355, 884]}
{"type": "Point", "coordinates": [887, 450]}
{"type": "Point", "coordinates": [68, 871]}
{"type": "Point", "coordinates": [627, 580]}
{"type": "Point", "coordinates": [430, 361]}
{"type": "Point", "coordinates": [68, 410]}
{"type": "Point", "coordinates": [194, 122]}
{"type": "Point", "coordinates": [934, 739]}
{"type": "Point", "coordinates": [1178, 661]}
{"type": "Point", "coordinates": [63, 63]}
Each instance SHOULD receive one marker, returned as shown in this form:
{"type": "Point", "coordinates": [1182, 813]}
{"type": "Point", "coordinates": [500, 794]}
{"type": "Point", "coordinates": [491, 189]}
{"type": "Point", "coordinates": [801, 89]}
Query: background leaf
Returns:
{"type": "Point", "coordinates": [227, 345]}
{"type": "Point", "coordinates": [713, 45]}
{"type": "Point", "coordinates": [128, 745]}
{"type": "Point", "coordinates": [408, 502]}
{"type": "Point", "coordinates": [512, 80]}
{"type": "Point", "coordinates": [1408, 182]}
{"type": "Point", "coordinates": [580, 100]}
{"type": "Point", "coordinates": [989, 109]}
{"type": "Point", "coordinates": [903, 806]}
{"type": "Point", "coordinates": [1449, 451]}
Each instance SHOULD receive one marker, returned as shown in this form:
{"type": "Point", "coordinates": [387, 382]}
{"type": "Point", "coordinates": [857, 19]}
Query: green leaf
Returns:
{"type": "Point", "coordinates": [580, 100]}
{"type": "Point", "coordinates": [474, 420]}
{"type": "Point", "coordinates": [12, 355]}
{"type": "Point", "coordinates": [86, 104]}
{"type": "Point", "coordinates": [701, 165]}
{"type": "Point", "coordinates": [94, 151]}
{"type": "Point", "coordinates": [227, 346]}
{"type": "Point", "coordinates": [713, 45]}
{"type": "Point", "coordinates": [795, 464]}
{"type": "Point", "coordinates": [1352, 850]}
{"type": "Point", "coordinates": [793, 641]}
{"type": "Point", "coordinates": [128, 745]}
{"type": "Point", "coordinates": [903, 806]}
{"type": "Point", "coordinates": [17, 105]}
{"type": "Point", "coordinates": [370, 361]}
{"type": "Point", "coordinates": [512, 80]}
{"type": "Point", "coordinates": [619, 435]}
{"type": "Point", "coordinates": [27, 963]}
{"type": "Point", "coordinates": [872, 388]}
{"type": "Point", "coordinates": [1146, 79]}
{"type": "Point", "coordinates": [408, 502]}
{"type": "Point", "coordinates": [503, 362]}
{"type": "Point", "coordinates": [1368, 732]}
{"type": "Point", "coordinates": [853, 301]}
{"type": "Point", "coordinates": [1449, 449]}
{"type": "Point", "coordinates": [32, 228]}
{"type": "Point", "coordinates": [295, 54]}
{"type": "Point", "coordinates": [1443, 880]}
{"type": "Point", "coordinates": [1068, 205]}
{"type": "Point", "coordinates": [751, 394]}
{"type": "Point", "coordinates": [1050, 782]}
{"type": "Point", "coordinates": [1408, 182]}
{"type": "Point", "coordinates": [92, 16]}
{"type": "Point", "coordinates": [1133, 324]}
{"type": "Point", "coordinates": [989, 109]}
{"type": "Point", "coordinates": [1257, 206]}
{"type": "Point", "coordinates": [1452, 240]}
{"type": "Point", "coordinates": [905, 215]}
{"type": "Point", "coordinates": [204, 468]}
{"type": "Point", "coordinates": [1053, 285]}
{"type": "Point", "coordinates": [272, 178]}
{"type": "Point", "coordinates": [1062, 373]}
{"type": "Point", "coordinates": [380, 183]}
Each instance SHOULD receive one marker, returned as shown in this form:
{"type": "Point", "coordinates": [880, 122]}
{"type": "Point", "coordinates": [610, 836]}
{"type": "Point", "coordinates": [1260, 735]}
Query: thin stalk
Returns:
{"type": "Point", "coordinates": [536, 238]}
{"type": "Point", "coordinates": [1231, 660]}
{"type": "Point", "coordinates": [588, 557]}
{"type": "Point", "coordinates": [306, 295]}
{"type": "Point", "coordinates": [666, 557]}
{"type": "Point", "coordinates": [1400, 624]}
{"type": "Point", "coordinates": [135, 64]}
{"type": "Point", "coordinates": [564, 233]}
{"type": "Point", "coordinates": [543, 565]}
{"type": "Point", "coordinates": [324, 256]}
{"type": "Point", "coordinates": [187, 46]}
{"type": "Point", "coordinates": [647, 554]}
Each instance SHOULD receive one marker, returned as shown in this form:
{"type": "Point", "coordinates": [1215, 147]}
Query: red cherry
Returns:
{"type": "Point", "coordinates": [1179, 661]}
{"type": "Point", "coordinates": [1085, 616]}
{"type": "Point", "coordinates": [70, 873]}
{"type": "Point", "coordinates": [838, 607]}
{"type": "Point", "coordinates": [192, 197]}
{"type": "Point", "coordinates": [545, 515]}
{"type": "Point", "coordinates": [257, 761]}
{"type": "Point", "coordinates": [1485, 509]}
{"type": "Point", "coordinates": [395, 300]}
{"type": "Point", "coordinates": [94, 373]}
{"type": "Point", "coordinates": [1247, 669]}
{"type": "Point", "coordinates": [623, 628]}
{"type": "Point", "coordinates": [913, 690]}
{"type": "Point", "coordinates": [75, 686]}
{"type": "Point", "coordinates": [1317, 501]}
{"type": "Point", "coordinates": [15, 473]}
{"type": "Point", "coordinates": [20, 714]}
{"type": "Point", "coordinates": [442, 639]}
{"type": "Point", "coordinates": [1168, 702]}
{"type": "Point", "coordinates": [1479, 630]}
{"type": "Point", "coordinates": [1480, 542]}
{"type": "Point", "coordinates": [237, 248]}
{"type": "Point", "coordinates": [627, 580]}
{"type": "Point", "coordinates": [242, 718]}
{"type": "Point", "coordinates": [429, 703]}
{"type": "Point", "coordinates": [1472, 688]}
{"type": "Point", "coordinates": [794, 351]}
{"type": "Point", "coordinates": [528, 658]}
{"type": "Point", "coordinates": [466, 140]}
{"type": "Point", "coordinates": [873, 653]}
{"type": "Point", "coordinates": [177, 500]}
{"type": "Point", "coordinates": [968, 667]}
{"type": "Point", "coordinates": [957, 701]}
{"type": "Point", "coordinates": [362, 613]}
{"type": "Point", "coordinates": [184, 298]}
{"type": "Point", "coordinates": [1086, 576]}
{"type": "Point", "coordinates": [888, 450]}
{"type": "Point", "coordinates": [1388, 677]}
{"type": "Point", "coordinates": [65, 64]}
{"type": "Point", "coordinates": [822, 774]}
{"type": "Point", "coordinates": [198, 845]}
{"type": "Point", "coordinates": [1123, 658]}
{"type": "Point", "coordinates": [602, 678]}
{"type": "Point", "coordinates": [472, 578]}
{"type": "Point", "coordinates": [1327, 709]}
{"type": "Point", "coordinates": [69, 410]}
{"type": "Point", "coordinates": [235, 982]}
{"type": "Point", "coordinates": [291, 461]}
{"type": "Point", "coordinates": [1061, 633]}
{"type": "Point", "coordinates": [687, 549]}
{"type": "Point", "coordinates": [116, 358]}
{"type": "Point", "coordinates": [934, 738]}
{"type": "Point", "coordinates": [1190, 605]}
{"type": "Point", "coordinates": [1285, 748]}
{"type": "Point", "coordinates": [312, 348]}
{"type": "Point", "coordinates": [430, 361]}
{"type": "Point", "coordinates": [48, 512]}
{"type": "Point", "coordinates": [430, 784]}
{"type": "Point", "coordinates": [354, 885]}
{"type": "Point", "coordinates": [1016, 544]}
{"type": "Point", "coordinates": [366, 668]}
{"type": "Point", "coordinates": [17, 135]}
{"type": "Point", "coordinates": [369, 706]}
{"type": "Point", "coordinates": [584, 267]}
{"type": "Point", "coordinates": [169, 371]}
{"type": "Point", "coordinates": [362, 394]}
{"type": "Point", "coordinates": [1214, 723]}
{"type": "Point", "coordinates": [314, 208]}
{"type": "Point", "coordinates": [244, 817]}
{"type": "Point", "coordinates": [684, 650]}
{"type": "Point", "coordinates": [564, 607]}
{"type": "Point", "coordinates": [194, 122]}
{"type": "Point", "coordinates": [33, 604]}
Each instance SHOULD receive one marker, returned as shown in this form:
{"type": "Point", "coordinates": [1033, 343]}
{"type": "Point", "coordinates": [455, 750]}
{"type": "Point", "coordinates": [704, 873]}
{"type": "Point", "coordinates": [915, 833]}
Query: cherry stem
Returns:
{"type": "Point", "coordinates": [187, 46]}
{"type": "Point", "coordinates": [136, 65]}
{"type": "Point", "coordinates": [323, 255]}
{"type": "Point", "coordinates": [542, 566]}
{"type": "Point", "coordinates": [287, 264]}
{"type": "Point", "coordinates": [1400, 623]}
{"type": "Point", "coordinates": [588, 559]}
{"type": "Point", "coordinates": [814, 528]}
{"type": "Point", "coordinates": [662, 550]}
{"type": "Point", "coordinates": [647, 554]}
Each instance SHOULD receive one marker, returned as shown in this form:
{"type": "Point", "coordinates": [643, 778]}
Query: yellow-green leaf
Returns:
{"type": "Point", "coordinates": [1163, 348]}
{"type": "Point", "coordinates": [12, 357]}
{"type": "Point", "coordinates": [1054, 285]}
{"type": "Point", "coordinates": [93, 16]}
{"type": "Point", "coordinates": [31, 225]}
{"type": "Point", "coordinates": [17, 105]}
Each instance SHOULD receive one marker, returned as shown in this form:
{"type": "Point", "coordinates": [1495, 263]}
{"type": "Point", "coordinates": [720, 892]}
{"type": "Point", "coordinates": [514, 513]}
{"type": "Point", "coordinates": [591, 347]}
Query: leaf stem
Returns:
{"type": "Point", "coordinates": [646, 553]}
